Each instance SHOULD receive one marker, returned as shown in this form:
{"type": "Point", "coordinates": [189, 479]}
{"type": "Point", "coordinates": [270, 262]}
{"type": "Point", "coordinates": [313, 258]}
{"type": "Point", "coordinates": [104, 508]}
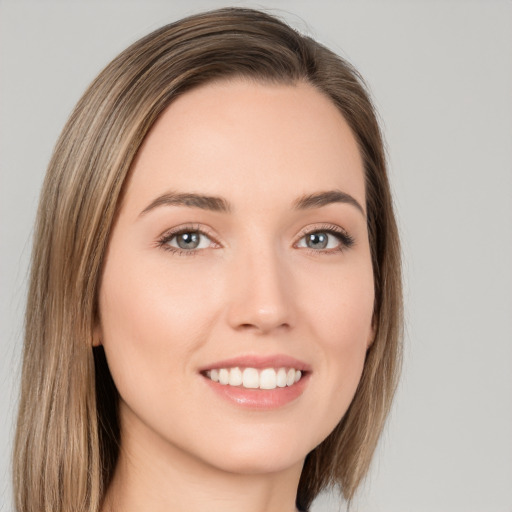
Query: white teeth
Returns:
{"type": "Point", "coordinates": [224, 376]}
{"type": "Point", "coordinates": [281, 378]}
{"type": "Point", "coordinates": [268, 379]}
{"type": "Point", "coordinates": [251, 378]}
{"type": "Point", "coordinates": [235, 377]}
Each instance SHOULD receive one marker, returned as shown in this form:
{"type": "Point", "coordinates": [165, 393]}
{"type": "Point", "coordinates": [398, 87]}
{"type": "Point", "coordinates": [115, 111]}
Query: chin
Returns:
{"type": "Point", "coordinates": [262, 450]}
{"type": "Point", "coordinates": [256, 463]}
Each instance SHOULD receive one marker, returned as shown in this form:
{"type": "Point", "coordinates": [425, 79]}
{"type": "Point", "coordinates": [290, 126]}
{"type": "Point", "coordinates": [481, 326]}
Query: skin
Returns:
{"type": "Point", "coordinates": [253, 287]}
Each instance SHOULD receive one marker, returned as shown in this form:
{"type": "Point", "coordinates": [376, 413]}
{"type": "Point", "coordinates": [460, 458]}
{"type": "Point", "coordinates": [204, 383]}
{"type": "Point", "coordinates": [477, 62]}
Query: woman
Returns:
{"type": "Point", "coordinates": [215, 303]}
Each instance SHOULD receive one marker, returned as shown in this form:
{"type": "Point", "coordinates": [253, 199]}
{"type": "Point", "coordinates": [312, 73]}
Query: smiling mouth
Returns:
{"type": "Point", "coordinates": [252, 378]}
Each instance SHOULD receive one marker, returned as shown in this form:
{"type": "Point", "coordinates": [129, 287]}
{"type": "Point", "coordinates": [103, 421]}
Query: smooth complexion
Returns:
{"type": "Point", "coordinates": [261, 277]}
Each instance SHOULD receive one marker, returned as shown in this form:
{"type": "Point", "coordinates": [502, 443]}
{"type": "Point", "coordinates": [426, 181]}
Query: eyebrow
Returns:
{"type": "Point", "coordinates": [216, 204]}
{"type": "Point", "coordinates": [219, 204]}
{"type": "Point", "coordinates": [320, 199]}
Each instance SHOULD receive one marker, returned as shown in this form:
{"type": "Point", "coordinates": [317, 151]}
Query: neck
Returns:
{"type": "Point", "coordinates": [162, 478]}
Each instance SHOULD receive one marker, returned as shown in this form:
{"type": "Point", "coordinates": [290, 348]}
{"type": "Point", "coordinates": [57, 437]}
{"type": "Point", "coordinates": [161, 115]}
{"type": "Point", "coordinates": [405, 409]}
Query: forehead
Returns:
{"type": "Point", "coordinates": [250, 142]}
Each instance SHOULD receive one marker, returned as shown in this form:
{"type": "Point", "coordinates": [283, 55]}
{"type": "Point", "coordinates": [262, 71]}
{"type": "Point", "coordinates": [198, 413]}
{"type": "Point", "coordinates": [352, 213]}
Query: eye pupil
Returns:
{"type": "Point", "coordinates": [317, 240]}
{"type": "Point", "coordinates": [188, 240]}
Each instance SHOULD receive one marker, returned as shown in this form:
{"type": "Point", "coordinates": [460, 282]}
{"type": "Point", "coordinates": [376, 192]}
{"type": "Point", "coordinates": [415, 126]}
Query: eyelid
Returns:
{"type": "Point", "coordinates": [346, 240]}
{"type": "Point", "coordinates": [169, 234]}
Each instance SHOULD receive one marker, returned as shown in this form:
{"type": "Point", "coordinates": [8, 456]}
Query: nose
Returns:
{"type": "Point", "coordinates": [261, 293]}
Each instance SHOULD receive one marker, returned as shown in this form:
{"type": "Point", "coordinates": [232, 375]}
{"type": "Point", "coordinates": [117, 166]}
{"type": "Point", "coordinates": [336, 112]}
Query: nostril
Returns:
{"type": "Point", "coordinates": [262, 326]}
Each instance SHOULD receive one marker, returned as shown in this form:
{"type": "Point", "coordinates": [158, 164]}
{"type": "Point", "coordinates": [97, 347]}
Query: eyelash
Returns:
{"type": "Point", "coordinates": [163, 241]}
{"type": "Point", "coordinates": [346, 241]}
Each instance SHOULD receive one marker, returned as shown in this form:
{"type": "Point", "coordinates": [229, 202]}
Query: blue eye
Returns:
{"type": "Point", "coordinates": [187, 240]}
{"type": "Point", "coordinates": [319, 241]}
{"type": "Point", "coordinates": [326, 240]}
{"type": "Point", "coordinates": [190, 240]}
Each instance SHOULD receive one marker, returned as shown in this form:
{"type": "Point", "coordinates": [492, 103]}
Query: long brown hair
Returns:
{"type": "Point", "coordinates": [67, 434]}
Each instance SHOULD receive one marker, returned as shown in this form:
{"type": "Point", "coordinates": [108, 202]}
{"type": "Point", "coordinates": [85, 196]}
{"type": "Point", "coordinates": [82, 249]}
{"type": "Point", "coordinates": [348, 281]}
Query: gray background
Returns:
{"type": "Point", "coordinates": [441, 76]}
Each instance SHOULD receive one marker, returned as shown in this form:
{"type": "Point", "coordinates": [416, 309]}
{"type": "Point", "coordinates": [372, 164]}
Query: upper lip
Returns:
{"type": "Point", "coordinates": [259, 362]}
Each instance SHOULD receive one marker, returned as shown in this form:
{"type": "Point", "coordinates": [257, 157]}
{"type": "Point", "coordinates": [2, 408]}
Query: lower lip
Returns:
{"type": "Point", "coordinates": [263, 399]}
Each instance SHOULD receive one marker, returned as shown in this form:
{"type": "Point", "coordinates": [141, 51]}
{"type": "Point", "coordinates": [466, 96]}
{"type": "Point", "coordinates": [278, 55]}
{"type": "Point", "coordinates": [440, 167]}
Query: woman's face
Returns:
{"type": "Point", "coordinates": [239, 258]}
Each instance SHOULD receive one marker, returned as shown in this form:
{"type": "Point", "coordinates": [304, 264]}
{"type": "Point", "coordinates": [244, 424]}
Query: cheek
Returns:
{"type": "Point", "coordinates": [350, 323]}
{"type": "Point", "coordinates": [152, 301]}
{"type": "Point", "coordinates": [341, 318]}
{"type": "Point", "coordinates": [340, 306]}
{"type": "Point", "coordinates": [151, 321]}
